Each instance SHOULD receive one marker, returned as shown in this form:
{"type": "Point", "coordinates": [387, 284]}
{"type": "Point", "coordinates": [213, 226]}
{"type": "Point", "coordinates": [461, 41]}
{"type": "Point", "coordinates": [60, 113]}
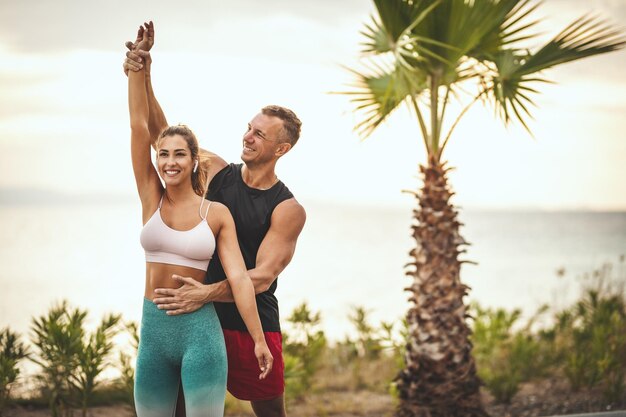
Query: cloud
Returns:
{"type": "Point", "coordinates": [17, 100]}
{"type": "Point", "coordinates": [60, 84]}
{"type": "Point", "coordinates": [38, 26]}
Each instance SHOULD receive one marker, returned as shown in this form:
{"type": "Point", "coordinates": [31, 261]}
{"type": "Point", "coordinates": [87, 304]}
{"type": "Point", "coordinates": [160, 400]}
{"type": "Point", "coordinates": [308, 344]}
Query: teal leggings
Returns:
{"type": "Point", "coordinates": [188, 349]}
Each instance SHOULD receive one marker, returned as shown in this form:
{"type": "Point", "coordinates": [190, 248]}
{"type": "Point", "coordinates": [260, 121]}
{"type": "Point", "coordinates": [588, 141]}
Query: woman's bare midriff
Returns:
{"type": "Point", "coordinates": [160, 276]}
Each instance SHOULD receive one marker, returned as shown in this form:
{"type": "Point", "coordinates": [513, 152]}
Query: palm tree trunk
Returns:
{"type": "Point", "coordinates": [439, 379]}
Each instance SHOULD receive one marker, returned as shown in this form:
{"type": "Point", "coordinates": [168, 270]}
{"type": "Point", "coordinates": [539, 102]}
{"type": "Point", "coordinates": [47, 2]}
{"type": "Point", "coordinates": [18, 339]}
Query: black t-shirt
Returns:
{"type": "Point", "coordinates": [252, 211]}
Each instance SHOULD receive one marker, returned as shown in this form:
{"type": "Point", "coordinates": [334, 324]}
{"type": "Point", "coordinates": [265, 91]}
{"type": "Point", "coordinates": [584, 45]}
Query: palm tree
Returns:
{"type": "Point", "coordinates": [425, 53]}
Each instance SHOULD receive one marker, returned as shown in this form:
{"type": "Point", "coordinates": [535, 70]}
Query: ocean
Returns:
{"type": "Point", "coordinates": [347, 256]}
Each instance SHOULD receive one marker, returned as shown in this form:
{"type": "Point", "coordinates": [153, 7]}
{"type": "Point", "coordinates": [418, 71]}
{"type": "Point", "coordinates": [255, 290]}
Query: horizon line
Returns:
{"type": "Point", "coordinates": [23, 196]}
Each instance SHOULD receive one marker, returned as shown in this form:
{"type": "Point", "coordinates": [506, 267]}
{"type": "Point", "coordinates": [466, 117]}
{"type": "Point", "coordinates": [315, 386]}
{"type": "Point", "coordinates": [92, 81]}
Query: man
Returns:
{"type": "Point", "coordinates": [268, 221]}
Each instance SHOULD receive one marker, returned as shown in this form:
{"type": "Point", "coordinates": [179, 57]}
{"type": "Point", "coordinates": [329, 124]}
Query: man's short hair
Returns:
{"type": "Point", "coordinates": [291, 124]}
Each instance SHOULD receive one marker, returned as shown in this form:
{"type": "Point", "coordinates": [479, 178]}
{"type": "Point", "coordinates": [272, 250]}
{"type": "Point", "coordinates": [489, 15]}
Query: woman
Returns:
{"type": "Point", "coordinates": [181, 230]}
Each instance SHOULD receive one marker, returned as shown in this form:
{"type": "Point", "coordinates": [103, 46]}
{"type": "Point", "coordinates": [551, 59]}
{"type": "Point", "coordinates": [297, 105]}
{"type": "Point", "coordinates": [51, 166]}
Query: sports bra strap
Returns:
{"type": "Point", "coordinates": [206, 213]}
{"type": "Point", "coordinates": [161, 200]}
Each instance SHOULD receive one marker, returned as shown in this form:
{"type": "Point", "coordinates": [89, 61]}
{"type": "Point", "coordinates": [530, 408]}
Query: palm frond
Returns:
{"type": "Point", "coordinates": [377, 40]}
{"type": "Point", "coordinates": [462, 29]}
{"type": "Point", "coordinates": [587, 36]}
{"type": "Point", "coordinates": [379, 90]}
{"type": "Point", "coordinates": [516, 70]}
{"type": "Point", "coordinates": [507, 86]}
{"type": "Point", "coordinates": [504, 25]}
{"type": "Point", "coordinates": [514, 23]}
{"type": "Point", "coordinates": [383, 33]}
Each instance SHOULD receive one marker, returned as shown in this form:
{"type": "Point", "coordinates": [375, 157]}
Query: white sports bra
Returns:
{"type": "Point", "coordinates": [193, 248]}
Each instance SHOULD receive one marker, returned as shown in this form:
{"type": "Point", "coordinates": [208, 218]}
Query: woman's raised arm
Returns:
{"type": "Point", "coordinates": [148, 183]}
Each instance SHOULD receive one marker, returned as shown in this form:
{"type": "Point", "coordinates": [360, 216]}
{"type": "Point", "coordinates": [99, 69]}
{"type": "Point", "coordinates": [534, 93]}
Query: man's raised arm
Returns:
{"type": "Point", "coordinates": [157, 121]}
{"type": "Point", "coordinates": [273, 256]}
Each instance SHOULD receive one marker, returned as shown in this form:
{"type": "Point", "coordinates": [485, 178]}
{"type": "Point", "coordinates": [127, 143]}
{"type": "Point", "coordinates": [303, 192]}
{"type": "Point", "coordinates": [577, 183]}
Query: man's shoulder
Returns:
{"type": "Point", "coordinates": [221, 177]}
{"type": "Point", "coordinates": [292, 209]}
{"type": "Point", "coordinates": [230, 169]}
{"type": "Point", "coordinates": [223, 168]}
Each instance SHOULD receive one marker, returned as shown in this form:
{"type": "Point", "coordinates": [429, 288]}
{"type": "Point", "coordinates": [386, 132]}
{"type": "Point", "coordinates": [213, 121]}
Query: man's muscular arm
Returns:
{"type": "Point", "coordinates": [273, 256]}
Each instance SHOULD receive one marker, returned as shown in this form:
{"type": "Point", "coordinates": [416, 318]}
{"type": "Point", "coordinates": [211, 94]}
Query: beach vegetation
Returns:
{"type": "Point", "coordinates": [585, 343]}
{"type": "Point", "coordinates": [506, 356]}
{"type": "Point", "coordinates": [591, 335]}
{"type": "Point", "coordinates": [12, 351]}
{"type": "Point", "coordinates": [126, 363]}
{"type": "Point", "coordinates": [70, 359]}
{"type": "Point", "coordinates": [93, 357]}
{"type": "Point", "coordinates": [367, 344]}
{"type": "Point", "coordinates": [304, 348]}
{"type": "Point", "coordinates": [393, 339]}
{"type": "Point", "coordinates": [578, 351]}
{"type": "Point", "coordinates": [57, 339]}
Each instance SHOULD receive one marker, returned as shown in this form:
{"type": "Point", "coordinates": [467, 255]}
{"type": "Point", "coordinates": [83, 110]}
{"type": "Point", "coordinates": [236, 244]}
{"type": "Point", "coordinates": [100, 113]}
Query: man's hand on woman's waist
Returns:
{"type": "Point", "coordinates": [186, 299]}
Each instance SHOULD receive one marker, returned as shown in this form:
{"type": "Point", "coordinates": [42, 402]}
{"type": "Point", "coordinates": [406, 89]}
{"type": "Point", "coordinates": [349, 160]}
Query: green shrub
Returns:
{"type": "Point", "coordinates": [592, 341]}
{"type": "Point", "coordinates": [367, 344]}
{"type": "Point", "coordinates": [304, 348]}
{"type": "Point", "coordinates": [295, 377]}
{"type": "Point", "coordinates": [378, 349]}
{"type": "Point", "coordinates": [70, 360]}
{"type": "Point", "coordinates": [58, 340]}
{"type": "Point", "coordinates": [11, 352]}
{"type": "Point", "coordinates": [394, 342]}
{"type": "Point", "coordinates": [504, 357]}
{"type": "Point", "coordinates": [92, 359]}
{"type": "Point", "coordinates": [126, 361]}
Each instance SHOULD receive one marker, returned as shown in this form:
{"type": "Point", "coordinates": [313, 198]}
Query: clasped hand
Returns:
{"type": "Point", "coordinates": [138, 51]}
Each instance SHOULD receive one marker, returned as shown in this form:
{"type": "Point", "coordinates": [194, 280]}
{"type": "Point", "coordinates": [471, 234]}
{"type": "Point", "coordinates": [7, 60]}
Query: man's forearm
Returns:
{"type": "Point", "coordinates": [222, 293]}
{"type": "Point", "coordinates": [157, 121]}
{"type": "Point", "coordinates": [219, 292]}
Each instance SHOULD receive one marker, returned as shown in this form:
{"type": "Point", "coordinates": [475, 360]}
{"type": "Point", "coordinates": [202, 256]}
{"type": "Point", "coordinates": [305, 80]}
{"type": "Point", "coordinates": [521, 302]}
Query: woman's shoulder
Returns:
{"type": "Point", "coordinates": [218, 216]}
{"type": "Point", "coordinates": [217, 209]}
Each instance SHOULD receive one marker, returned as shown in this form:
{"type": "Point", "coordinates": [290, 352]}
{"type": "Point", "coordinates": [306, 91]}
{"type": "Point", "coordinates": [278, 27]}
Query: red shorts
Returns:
{"type": "Point", "coordinates": [243, 367]}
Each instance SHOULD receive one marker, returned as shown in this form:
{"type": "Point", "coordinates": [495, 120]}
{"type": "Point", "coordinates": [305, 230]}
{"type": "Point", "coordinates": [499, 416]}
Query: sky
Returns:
{"type": "Point", "coordinates": [64, 122]}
